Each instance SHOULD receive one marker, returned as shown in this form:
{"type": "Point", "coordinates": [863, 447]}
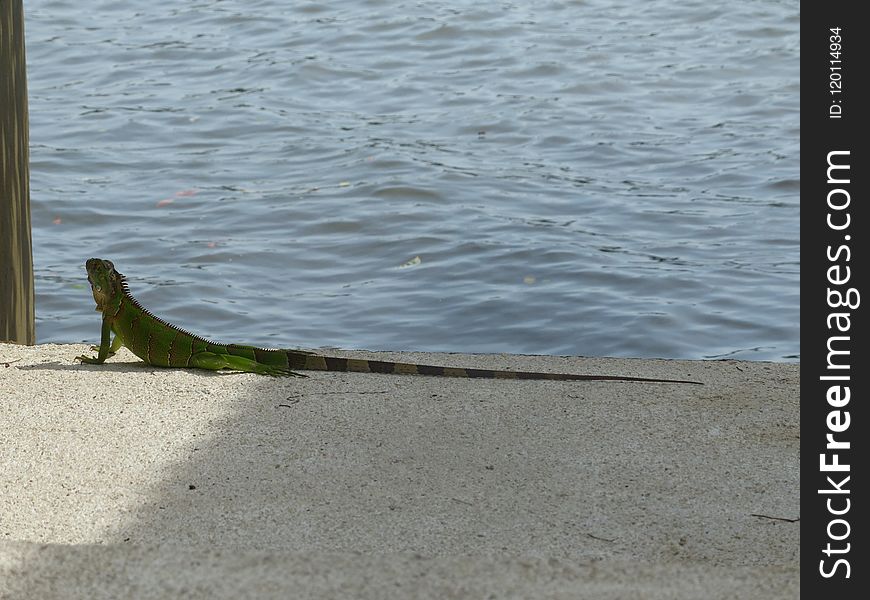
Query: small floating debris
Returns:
{"type": "Point", "coordinates": [411, 263]}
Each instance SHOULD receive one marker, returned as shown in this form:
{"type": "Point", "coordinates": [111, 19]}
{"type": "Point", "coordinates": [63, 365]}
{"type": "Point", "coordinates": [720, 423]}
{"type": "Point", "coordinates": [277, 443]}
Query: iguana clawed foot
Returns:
{"type": "Point", "coordinates": [91, 360]}
{"type": "Point", "coordinates": [111, 350]}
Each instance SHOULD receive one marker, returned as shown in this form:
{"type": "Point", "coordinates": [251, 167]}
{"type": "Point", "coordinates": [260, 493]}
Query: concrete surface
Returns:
{"type": "Point", "coordinates": [123, 480]}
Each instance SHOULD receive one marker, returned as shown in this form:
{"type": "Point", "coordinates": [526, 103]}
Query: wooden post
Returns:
{"type": "Point", "coordinates": [16, 259]}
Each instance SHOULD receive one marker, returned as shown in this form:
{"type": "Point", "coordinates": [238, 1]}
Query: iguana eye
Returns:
{"type": "Point", "coordinates": [97, 287]}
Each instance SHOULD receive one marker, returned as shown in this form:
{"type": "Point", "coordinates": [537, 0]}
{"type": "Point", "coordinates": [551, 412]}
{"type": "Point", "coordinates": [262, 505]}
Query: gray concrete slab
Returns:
{"type": "Point", "coordinates": [123, 479]}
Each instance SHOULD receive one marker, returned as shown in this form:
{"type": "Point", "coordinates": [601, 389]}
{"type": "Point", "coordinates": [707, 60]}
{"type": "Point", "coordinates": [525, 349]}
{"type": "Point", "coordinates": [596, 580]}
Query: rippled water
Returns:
{"type": "Point", "coordinates": [590, 178]}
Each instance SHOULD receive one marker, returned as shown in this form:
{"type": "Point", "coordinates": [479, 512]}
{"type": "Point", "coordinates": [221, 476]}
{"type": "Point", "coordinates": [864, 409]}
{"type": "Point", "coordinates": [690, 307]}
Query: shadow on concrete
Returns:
{"type": "Point", "coordinates": [592, 475]}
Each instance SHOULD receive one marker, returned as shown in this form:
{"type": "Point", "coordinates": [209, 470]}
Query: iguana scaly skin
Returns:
{"type": "Point", "coordinates": [161, 344]}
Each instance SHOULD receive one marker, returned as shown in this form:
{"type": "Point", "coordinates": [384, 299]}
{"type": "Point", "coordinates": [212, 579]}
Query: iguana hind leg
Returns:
{"type": "Point", "coordinates": [215, 362]}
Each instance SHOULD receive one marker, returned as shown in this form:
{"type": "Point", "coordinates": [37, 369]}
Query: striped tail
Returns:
{"type": "Point", "coordinates": [316, 362]}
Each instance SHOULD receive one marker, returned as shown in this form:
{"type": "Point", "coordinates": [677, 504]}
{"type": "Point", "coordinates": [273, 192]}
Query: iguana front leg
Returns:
{"type": "Point", "coordinates": [117, 342]}
{"type": "Point", "coordinates": [116, 345]}
{"type": "Point", "coordinates": [105, 348]}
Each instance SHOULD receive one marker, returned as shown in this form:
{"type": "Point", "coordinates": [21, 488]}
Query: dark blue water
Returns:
{"type": "Point", "coordinates": [589, 178]}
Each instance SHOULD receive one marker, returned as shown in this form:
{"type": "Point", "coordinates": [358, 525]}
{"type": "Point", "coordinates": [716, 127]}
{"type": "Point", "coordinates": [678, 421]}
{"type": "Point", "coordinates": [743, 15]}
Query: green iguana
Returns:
{"type": "Point", "coordinates": [161, 344]}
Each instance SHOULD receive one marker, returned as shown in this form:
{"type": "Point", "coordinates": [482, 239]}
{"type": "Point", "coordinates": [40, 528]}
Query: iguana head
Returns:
{"type": "Point", "coordinates": [106, 283]}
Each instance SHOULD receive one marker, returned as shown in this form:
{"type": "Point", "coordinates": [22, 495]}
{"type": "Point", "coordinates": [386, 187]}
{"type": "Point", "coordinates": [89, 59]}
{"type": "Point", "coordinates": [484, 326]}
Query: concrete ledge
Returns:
{"type": "Point", "coordinates": [127, 481]}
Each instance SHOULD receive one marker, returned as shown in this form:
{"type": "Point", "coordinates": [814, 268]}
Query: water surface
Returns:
{"type": "Point", "coordinates": [584, 178]}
